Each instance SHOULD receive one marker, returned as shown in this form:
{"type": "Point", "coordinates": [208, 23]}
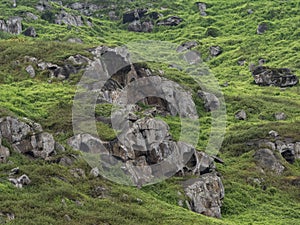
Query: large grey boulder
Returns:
{"type": "Point", "coordinates": [65, 18]}
{"type": "Point", "coordinates": [267, 160]}
{"type": "Point", "coordinates": [27, 137]}
{"type": "Point", "coordinates": [267, 76]}
{"type": "Point", "coordinates": [13, 25]}
{"type": "Point", "coordinates": [205, 194]}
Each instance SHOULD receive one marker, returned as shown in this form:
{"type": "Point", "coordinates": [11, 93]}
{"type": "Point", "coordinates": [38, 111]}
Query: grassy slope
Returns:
{"type": "Point", "coordinates": [245, 202]}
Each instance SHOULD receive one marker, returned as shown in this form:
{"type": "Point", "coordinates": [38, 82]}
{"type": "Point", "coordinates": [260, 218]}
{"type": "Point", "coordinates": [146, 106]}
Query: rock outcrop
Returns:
{"type": "Point", "coordinates": [27, 137]}
{"type": "Point", "coordinates": [13, 25]}
{"type": "Point", "coordinates": [205, 194]}
{"type": "Point", "coordinates": [266, 76]}
{"type": "Point", "coordinates": [66, 18]}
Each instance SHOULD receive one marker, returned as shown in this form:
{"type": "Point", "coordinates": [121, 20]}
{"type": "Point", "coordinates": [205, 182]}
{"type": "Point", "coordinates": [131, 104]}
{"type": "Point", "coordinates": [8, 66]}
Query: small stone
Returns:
{"type": "Point", "coordinates": [95, 172]}
{"type": "Point", "coordinates": [280, 116]}
{"type": "Point", "coordinates": [241, 115]}
{"type": "Point", "coordinates": [30, 70]}
{"type": "Point", "coordinates": [273, 133]}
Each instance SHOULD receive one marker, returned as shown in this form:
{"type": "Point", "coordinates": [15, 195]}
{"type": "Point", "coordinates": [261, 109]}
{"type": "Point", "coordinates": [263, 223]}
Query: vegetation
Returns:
{"type": "Point", "coordinates": [55, 193]}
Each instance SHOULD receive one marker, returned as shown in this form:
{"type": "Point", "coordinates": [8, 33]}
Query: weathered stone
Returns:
{"type": "Point", "coordinates": [262, 28]}
{"type": "Point", "coordinates": [112, 15]}
{"type": "Point", "coordinates": [267, 160]}
{"type": "Point", "coordinates": [202, 8]}
{"type": "Point", "coordinates": [21, 181]}
{"type": "Point", "coordinates": [30, 70]}
{"type": "Point", "coordinates": [280, 116]}
{"type": "Point", "coordinates": [266, 76]}
{"type": "Point", "coordinates": [187, 46]}
{"type": "Point", "coordinates": [215, 50]}
{"type": "Point", "coordinates": [205, 194]}
{"type": "Point", "coordinates": [192, 57]}
{"type": "Point", "coordinates": [171, 21]}
{"type": "Point", "coordinates": [75, 40]}
{"type": "Point", "coordinates": [211, 102]}
{"type": "Point", "coordinates": [131, 16]}
{"type": "Point", "coordinates": [95, 172]}
{"type": "Point", "coordinates": [4, 153]}
{"type": "Point", "coordinates": [273, 133]}
{"type": "Point", "coordinates": [13, 25]}
{"type": "Point", "coordinates": [43, 5]}
{"type": "Point", "coordinates": [65, 18]}
{"type": "Point", "coordinates": [78, 173]}
{"type": "Point", "coordinates": [241, 115]}
{"type": "Point", "coordinates": [30, 32]}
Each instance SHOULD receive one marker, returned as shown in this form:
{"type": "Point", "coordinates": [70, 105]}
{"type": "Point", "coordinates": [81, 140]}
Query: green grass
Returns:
{"type": "Point", "coordinates": [228, 25]}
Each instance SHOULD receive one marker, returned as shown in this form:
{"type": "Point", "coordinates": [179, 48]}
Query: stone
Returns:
{"type": "Point", "coordinates": [215, 50]}
{"type": "Point", "coordinates": [13, 25]}
{"type": "Point", "coordinates": [273, 133]}
{"type": "Point", "coordinates": [170, 21]}
{"type": "Point", "coordinates": [250, 11]}
{"type": "Point", "coordinates": [43, 5]}
{"type": "Point", "coordinates": [241, 62]}
{"type": "Point", "coordinates": [267, 160]}
{"type": "Point", "coordinates": [261, 62]}
{"type": "Point", "coordinates": [30, 32]}
{"type": "Point", "coordinates": [14, 3]}
{"type": "Point", "coordinates": [95, 172]}
{"type": "Point", "coordinates": [75, 40]}
{"type": "Point", "coordinates": [65, 18]}
{"type": "Point", "coordinates": [211, 102]}
{"type": "Point", "coordinates": [131, 16]}
{"type": "Point", "coordinates": [205, 194]}
{"type": "Point", "coordinates": [262, 28]}
{"type": "Point", "coordinates": [192, 57]}
{"type": "Point", "coordinates": [267, 76]}
{"type": "Point", "coordinates": [280, 116]}
{"type": "Point", "coordinates": [187, 46]}
{"type": "Point", "coordinates": [30, 70]}
{"type": "Point", "coordinates": [241, 115]}
{"type": "Point", "coordinates": [78, 173]}
{"type": "Point", "coordinates": [112, 15]}
{"type": "Point", "coordinates": [4, 153]}
{"type": "Point", "coordinates": [202, 8]}
{"type": "Point", "coordinates": [21, 181]}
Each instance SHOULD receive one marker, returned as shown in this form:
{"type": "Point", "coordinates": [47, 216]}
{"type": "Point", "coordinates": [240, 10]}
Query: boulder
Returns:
{"type": "Point", "coordinates": [30, 70]}
{"type": "Point", "coordinates": [280, 116]}
{"type": "Point", "coordinates": [267, 76]}
{"type": "Point", "coordinates": [205, 194]}
{"type": "Point", "coordinates": [13, 25]}
{"type": "Point", "coordinates": [131, 16]}
{"type": "Point", "coordinates": [241, 115]}
{"type": "Point", "coordinates": [202, 8]}
{"type": "Point", "coordinates": [112, 15]}
{"type": "Point", "coordinates": [170, 21]}
{"type": "Point", "coordinates": [187, 46]}
{"type": "Point", "coordinates": [211, 102]}
{"type": "Point", "coordinates": [267, 160]}
{"type": "Point", "coordinates": [4, 153]}
{"type": "Point", "coordinates": [27, 137]}
{"type": "Point", "coordinates": [20, 181]}
{"type": "Point", "coordinates": [30, 32]}
{"type": "Point", "coordinates": [75, 40]}
{"type": "Point", "coordinates": [43, 5]}
{"type": "Point", "coordinates": [262, 28]}
{"type": "Point", "coordinates": [215, 50]}
{"type": "Point", "coordinates": [65, 18]}
{"type": "Point", "coordinates": [192, 57]}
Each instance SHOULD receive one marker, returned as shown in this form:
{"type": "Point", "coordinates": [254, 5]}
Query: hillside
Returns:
{"type": "Point", "coordinates": [237, 63]}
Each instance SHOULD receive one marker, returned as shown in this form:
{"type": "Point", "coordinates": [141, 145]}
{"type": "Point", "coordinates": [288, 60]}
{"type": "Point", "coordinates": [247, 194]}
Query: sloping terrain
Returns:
{"type": "Point", "coordinates": [229, 42]}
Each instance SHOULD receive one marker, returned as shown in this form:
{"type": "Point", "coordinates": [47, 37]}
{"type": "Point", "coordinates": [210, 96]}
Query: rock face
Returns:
{"type": "Point", "coordinates": [13, 25]}
{"type": "Point", "coordinates": [266, 76]}
{"type": "Point", "coordinates": [27, 137]}
{"type": "Point", "coordinates": [205, 194]}
{"type": "Point", "coordinates": [267, 160]}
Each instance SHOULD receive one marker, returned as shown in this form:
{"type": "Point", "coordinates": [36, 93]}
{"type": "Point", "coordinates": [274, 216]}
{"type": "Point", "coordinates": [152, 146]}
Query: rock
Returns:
{"type": "Point", "coordinates": [66, 161]}
{"type": "Point", "coordinates": [211, 102]}
{"type": "Point", "coordinates": [112, 15]}
{"type": "Point", "coordinates": [261, 62]}
{"type": "Point", "coordinates": [205, 194]}
{"type": "Point", "coordinates": [77, 6]}
{"type": "Point", "coordinates": [131, 16]}
{"type": "Point", "coordinates": [215, 50]}
{"type": "Point", "coordinates": [30, 59]}
{"type": "Point", "coordinates": [273, 133]}
{"type": "Point", "coordinates": [31, 16]}
{"type": "Point", "coordinates": [21, 181]}
{"type": "Point", "coordinates": [266, 144]}
{"type": "Point", "coordinates": [13, 25]}
{"type": "Point", "coordinates": [280, 116]}
{"type": "Point", "coordinates": [6, 217]}
{"type": "Point", "coordinates": [14, 171]}
{"type": "Point", "coordinates": [241, 115]}
{"type": "Point", "coordinates": [267, 160]}
{"type": "Point", "coordinates": [241, 62]}
{"type": "Point", "coordinates": [78, 173]}
{"type": "Point", "coordinates": [99, 192]}
{"type": "Point", "coordinates": [95, 172]}
{"type": "Point", "coordinates": [281, 77]}
{"type": "Point", "coordinates": [171, 21]}
{"type": "Point", "coordinates": [30, 70]}
{"type": "Point", "coordinates": [65, 18]}
{"type": "Point", "coordinates": [250, 11]}
{"type": "Point", "coordinates": [67, 218]}
{"type": "Point", "coordinates": [4, 153]}
{"type": "Point", "coordinates": [14, 2]}
{"type": "Point", "coordinates": [27, 137]}
{"type": "Point", "coordinates": [60, 72]}
{"type": "Point", "coordinates": [262, 28]}
{"type": "Point", "coordinates": [187, 46]}
{"type": "Point", "coordinates": [202, 8]}
{"type": "Point", "coordinates": [43, 5]}
{"type": "Point", "coordinates": [297, 150]}
{"type": "Point", "coordinates": [30, 32]}
{"type": "Point", "coordinates": [78, 60]}
{"type": "Point", "coordinates": [192, 57]}
{"type": "Point", "coordinates": [75, 40]}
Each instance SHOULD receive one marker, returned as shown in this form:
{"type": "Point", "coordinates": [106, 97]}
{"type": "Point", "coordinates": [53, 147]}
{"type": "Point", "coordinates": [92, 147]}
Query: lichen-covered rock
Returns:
{"type": "Point", "coordinates": [267, 76]}
{"type": "Point", "coordinates": [205, 194]}
{"type": "Point", "coordinates": [13, 25]}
